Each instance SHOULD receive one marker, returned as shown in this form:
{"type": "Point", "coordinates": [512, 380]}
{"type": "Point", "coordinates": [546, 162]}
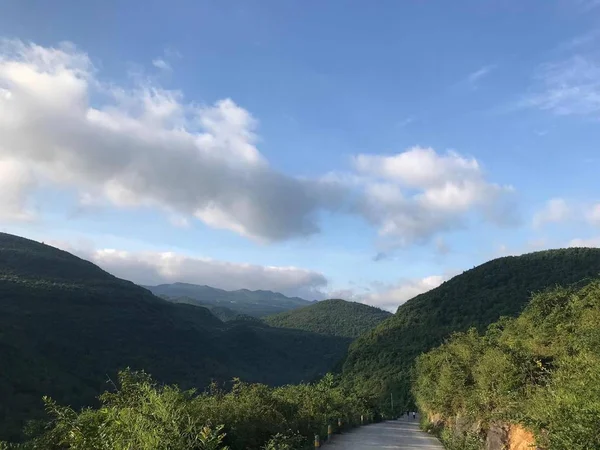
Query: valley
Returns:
{"type": "Point", "coordinates": [71, 331]}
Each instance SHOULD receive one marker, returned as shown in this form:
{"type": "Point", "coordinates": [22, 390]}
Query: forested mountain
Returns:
{"type": "Point", "coordinates": [540, 372]}
{"type": "Point", "coordinates": [66, 326]}
{"type": "Point", "coordinates": [381, 359]}
{"type": "Point", "coordinates": [223, 313]}
{"type": "Point", "coordinates": [334, 317]}
{"type": "Point", "coordinates": [242, 301]}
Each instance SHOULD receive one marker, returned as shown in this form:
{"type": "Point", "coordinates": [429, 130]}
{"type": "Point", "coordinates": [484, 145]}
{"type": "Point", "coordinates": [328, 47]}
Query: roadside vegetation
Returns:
{"type": "Point", "coordinates": [140, 414]}
{"type": "Point", "coordinates": [540, 370]}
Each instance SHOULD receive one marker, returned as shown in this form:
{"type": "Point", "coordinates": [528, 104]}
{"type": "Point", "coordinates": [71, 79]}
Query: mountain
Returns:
{"type": "Point", "coordinates": [333, 317]}
{"type": "Point", "coordinates": [243, 301]}
{"type": "Point", "coordinates": [221, 312]}
{"type": "Point", "coordinates": [67, 327]}
{"type": "Point", "coordinates": [380, 361]}
{"type": "Point", "coordinates": [529, 373]}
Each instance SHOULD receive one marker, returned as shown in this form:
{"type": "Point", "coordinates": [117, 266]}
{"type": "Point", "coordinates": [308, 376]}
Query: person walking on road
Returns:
{"type": "Point", "coordinates": [414, 415]}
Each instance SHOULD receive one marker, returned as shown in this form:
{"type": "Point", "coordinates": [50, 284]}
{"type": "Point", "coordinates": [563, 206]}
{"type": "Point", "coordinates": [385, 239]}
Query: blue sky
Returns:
{"type": "Point", "coordinates": [316, 148]}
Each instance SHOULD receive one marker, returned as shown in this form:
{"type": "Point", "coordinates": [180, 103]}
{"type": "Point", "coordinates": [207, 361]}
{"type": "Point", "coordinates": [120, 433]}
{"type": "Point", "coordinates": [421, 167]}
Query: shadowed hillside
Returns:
{"type": "Point", "coordinates": [66, 326]}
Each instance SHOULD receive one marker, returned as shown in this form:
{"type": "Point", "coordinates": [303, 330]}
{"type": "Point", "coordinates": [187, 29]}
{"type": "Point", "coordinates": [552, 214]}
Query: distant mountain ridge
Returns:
{"type": "Point", "coordinates": [334, 317]}
{"type": "Point", "coordinates": [259, 303]}
{"type": "Point", "coordinates": [66, 326]}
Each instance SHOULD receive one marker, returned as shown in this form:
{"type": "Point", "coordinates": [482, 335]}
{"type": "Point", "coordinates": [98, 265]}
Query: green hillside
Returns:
{"type": "Point", "coordinates": [242, 301]}
{"type": "Point", "coordinates": [333, 317]}
{"type": "Point", "coordinates": [381, 360]}
{"type": "Point", "coordinates": [66, 326]}
{"type": "Point", "coordinates": [541, 371]}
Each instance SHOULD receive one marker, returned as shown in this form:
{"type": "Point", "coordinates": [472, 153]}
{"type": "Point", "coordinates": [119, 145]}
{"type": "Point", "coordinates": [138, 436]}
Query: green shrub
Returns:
{"type": "Point", "coordinates": [541, 370]}
{"type": "Point", "coordinates": [142, 415]}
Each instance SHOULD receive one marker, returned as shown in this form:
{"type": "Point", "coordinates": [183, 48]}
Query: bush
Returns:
{"type": "Point", "coordinates": [142, 415]}
{"type": "Point", "coordinates": [541, 370]}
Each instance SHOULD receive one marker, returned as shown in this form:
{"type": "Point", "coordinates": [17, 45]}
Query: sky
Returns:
{"type": "Point", "coordinates": [353, 149]}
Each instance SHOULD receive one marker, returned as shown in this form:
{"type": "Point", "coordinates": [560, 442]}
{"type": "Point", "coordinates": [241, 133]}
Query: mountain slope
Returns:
{"type": "Point", "coordinates": [243, 301]}
{"type": "Point", "coordinates": [223, 313]}
{"type": "Point", "coordinates": [66, 326]}
{"type": "Point", "coordinates": [333, 317]}
{"type": "Point", "coordinates": [381, 359]}
{"type": "Point", "coordinates": [531, 371]}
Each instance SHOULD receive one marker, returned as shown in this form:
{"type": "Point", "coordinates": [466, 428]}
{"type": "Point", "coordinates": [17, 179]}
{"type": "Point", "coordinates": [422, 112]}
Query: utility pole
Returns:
{"type": "Point", "coordinates": [392, 398]}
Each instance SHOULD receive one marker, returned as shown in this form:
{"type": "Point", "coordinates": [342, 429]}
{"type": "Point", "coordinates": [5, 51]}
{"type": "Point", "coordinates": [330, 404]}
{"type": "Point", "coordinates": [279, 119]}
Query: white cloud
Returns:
{"type": "Point", "coordinates": [568, 87]}
{"type": "Point", "coordinates": [554, 211]}
{"type": "Point", "coordinates": [390, 297]}
{"type": "Point", "coordinates": [418, 167]}
{"type": "Point", "coordinates": [161, 64]}
{"type": "Point", "coordinates": [145, 146]}
{"type": "Point", "coordinates": [416, 194]}
{"type": "Point", "coordinates": [480, 73]}
{"type": "Point", "coordinates": [587, 242]}
{"type": "Point", "coordinates": [593, 215]}
{"type": "Point", "coordinates": [154, 267]}
{"type": "Point", "coordinates": [16, 181]}
{"type": "Point", "coordinates": [559, 210]}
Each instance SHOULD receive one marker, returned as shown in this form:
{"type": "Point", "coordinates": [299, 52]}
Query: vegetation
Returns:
{"type": "Point", "coordinates": [223, 313]}
{"type": "Point", "coordinates": [334, 317]}
{"type": "Point", "coordinates": [381, 360]}
{"type": "Point", "coordinates": [541, 370]}
{"type": "Point", "coordinates": [142, 415]}
{"type": "Point", "coordinates": [66, 326]}
{"type": "Point", "coordinates": [242, 301]}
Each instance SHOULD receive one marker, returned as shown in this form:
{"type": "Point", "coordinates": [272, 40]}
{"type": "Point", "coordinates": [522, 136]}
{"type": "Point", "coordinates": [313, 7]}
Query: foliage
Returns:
{"type": "Point", "coordinates": [334, 317]}
{"type": "Point", "coordinates": [143, 415]}
{"type": "Point", "coordinates": [382, 359]}
{"type": "Point", "coordinates": [541, 370]}
{"type": "Point", "coordinates": [66, 326]}
{"type": "Point", "coordinates": [223, 313]}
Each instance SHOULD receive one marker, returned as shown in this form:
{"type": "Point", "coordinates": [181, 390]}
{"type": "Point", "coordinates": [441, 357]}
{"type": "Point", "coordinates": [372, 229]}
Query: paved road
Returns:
{"type": "Point", "coordinates": [400, 434]}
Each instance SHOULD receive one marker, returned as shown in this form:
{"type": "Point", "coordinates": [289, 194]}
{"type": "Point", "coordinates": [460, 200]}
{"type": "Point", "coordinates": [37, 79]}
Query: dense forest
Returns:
{"type": "Point", "coordinates": [242, 301]}
{"type": "Point", "coordinates": [223, 313]}
{"type": "Point", "coordinates": [334, 317]}
{"type": "Point", "coordinates": [540, 370]}
{"type": "Point", "coordinates": [381, 360]}
{"type": "Point", "coordinates": [67, 327]}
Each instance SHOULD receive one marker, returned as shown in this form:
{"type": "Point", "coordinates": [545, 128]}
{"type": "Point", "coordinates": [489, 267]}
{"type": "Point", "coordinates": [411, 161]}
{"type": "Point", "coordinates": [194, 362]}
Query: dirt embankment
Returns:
{"type": "Point", "coordinates": [498, 436]}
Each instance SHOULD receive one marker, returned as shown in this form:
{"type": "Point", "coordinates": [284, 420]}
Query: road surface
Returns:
{"type": "Point", "coordinates": [399, 434]}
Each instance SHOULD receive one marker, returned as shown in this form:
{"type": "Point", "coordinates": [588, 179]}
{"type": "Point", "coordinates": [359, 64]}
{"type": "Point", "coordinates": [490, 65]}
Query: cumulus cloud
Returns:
{"type": "Point", "coordinates": [554, 211]}
{"type": "Point", "coordinates": [16, 181]}
{"type": "Point", "coordinates": [413, 195]}
{"type": "Point", "coordinates": [152, 267]}
{"type": "Point", "coordinates": [143, 146]}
